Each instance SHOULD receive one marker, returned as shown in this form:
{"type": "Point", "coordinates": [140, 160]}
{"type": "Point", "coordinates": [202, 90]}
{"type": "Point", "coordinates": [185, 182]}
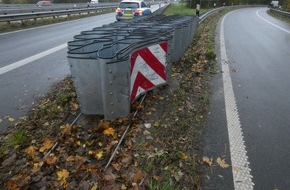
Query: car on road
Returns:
{"type": "Point", "coordinates": [43, 3]}
{"type": "Point", "coordinates": [129, 9]}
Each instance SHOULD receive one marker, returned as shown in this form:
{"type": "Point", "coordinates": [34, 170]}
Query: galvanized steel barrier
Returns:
{"type": "Point", "coordinates": [114, 64]}
{"type": "Point", "coordinates": [279, 12]}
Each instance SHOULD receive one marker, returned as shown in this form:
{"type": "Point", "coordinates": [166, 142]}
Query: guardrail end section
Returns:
{"type": "Point", "coordinates": [148, 69]}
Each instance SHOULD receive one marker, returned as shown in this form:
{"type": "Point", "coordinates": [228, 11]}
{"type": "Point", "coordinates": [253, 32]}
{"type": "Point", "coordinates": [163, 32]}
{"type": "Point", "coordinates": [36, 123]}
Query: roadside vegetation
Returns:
{"type": "Point", "coordinates": [159, 152]}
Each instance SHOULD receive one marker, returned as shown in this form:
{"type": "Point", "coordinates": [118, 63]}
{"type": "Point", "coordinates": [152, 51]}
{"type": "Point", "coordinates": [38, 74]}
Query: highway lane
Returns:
{"type": "Point", "coordinates": [258, 58]}
{"type": "Point", "coordinates": [20, 87]}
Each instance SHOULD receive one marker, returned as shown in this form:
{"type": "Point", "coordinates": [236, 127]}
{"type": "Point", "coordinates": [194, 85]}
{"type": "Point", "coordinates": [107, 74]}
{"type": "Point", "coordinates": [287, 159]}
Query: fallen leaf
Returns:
{"type": "Point", "coordinates": [146, 132]}
{"type": "Point", "coordinates": [138, 176]}
{"type": "Point", "coordinates": [11, 119]}
{"type": "Point", "coordinates": [78, 143]}
{"type": "Point", "coordinates": [62, 175]}
{"type": "Point", "coordinates": [95, 187]}
{"type": "Point", "coordinates": [147, 125]}
{"type": "Point", "coordinates": [157, 178]}
{"type": "Point", "coordinates": [157, 123]}
{"type": "Point", "coordinates": [99, 154]}
{"type": "Point", "coordinates": [70, 159]}
{"type": "Point", "coordinates": [116, 166]}
{"type": "Point", "coordinates": [184, 157]}
{"type": "Point", "coordinates": [123, 187]}
{"type": "Point", "coordinates": [74, 106]}
{"type": "Point", "coordinates": [208, 161]}
{"type": "Point", "coordinates": [47, 144]}
{"type": "Point", "coordinates": [178, 176]}
{"type": "Point", "coordinates": [50, 159]}
{"type": "Point", "coordinates": [222, 163]}
{"type": "Point", "coordinates": [110, 177]}
{"type": "Point", "coordinates": [105, 124]}
{"type": "Point", "coordinates": [126, 159]}
{"type": "Point", "coordinates": [109, 131]}
{"type": "Point", "coordinates": [66, 128]}
{"type": "Point", "coordinates": [30, 151]}
{"type": "Point", "coordinates": [37, 167]}
{"type": "Point", "coordinates": [18, 182]}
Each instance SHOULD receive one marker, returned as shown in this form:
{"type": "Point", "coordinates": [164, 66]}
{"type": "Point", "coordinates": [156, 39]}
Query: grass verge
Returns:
{"type": "Point", "coordinates": [181, 9]}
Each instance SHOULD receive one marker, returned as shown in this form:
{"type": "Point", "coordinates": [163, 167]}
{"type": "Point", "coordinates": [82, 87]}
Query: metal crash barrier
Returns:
{"type": "Point", "coordinates": [114, 64]}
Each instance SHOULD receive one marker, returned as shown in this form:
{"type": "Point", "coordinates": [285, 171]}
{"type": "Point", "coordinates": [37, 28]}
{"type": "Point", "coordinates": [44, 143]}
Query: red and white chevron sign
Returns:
{"type": "Point", "coordinates": [148, 69]}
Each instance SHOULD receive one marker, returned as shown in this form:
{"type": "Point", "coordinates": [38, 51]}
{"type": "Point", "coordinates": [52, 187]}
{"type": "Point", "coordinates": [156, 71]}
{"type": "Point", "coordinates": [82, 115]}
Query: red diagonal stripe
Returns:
{"type": "Point", "coordinates": [164, 46]}
{"type": "Point", "coordinates": [141, 81]}
{"type": "Point", "coordinates": [153, 62]}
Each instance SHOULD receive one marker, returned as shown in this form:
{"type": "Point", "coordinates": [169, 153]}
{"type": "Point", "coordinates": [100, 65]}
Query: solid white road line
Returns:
{"type": "Point", "coordinates": [23, 62]}
{"type": "Point", "coordinates": [240, 165]}
{"type": "Point", "coordinates": [275, 25]}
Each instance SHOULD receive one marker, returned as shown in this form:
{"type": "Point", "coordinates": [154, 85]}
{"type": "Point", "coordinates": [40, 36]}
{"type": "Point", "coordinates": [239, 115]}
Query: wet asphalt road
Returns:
{"type": "Point", "coordinates": [20, 87]}
{"type": "Point", "coordinates": [258, 49]}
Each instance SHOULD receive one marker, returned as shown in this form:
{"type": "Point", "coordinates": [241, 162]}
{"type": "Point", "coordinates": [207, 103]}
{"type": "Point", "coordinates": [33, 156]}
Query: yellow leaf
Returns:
{"type": "Point", "coordinates": [30, 151]}
{"type": "Point", "coordinates": [47, 144]}
{"type": "Point", "coordinates": [99, 154]}
{"type": "Point", "coordinates": [78, 143]}
{"type": "Point", "coordinates": [161, 98]}
{"type": "Point", "coordinates": [105, 124]}
{"type": "Point", "coordinates": [222, 163]}
{"type": "Point", "coordinates": [109, 131]}
{"type": "Point", "coordinates": [95, 187]}
{"type": "Point", "coordinates": [11, 119]}
{"type": "Point", "coordinates": [123, 187]}
{"type": "Point", "coordinates": [62, 176]}
{"type": "Point", "coordinates": [206, 160]}
{"type": "Point", "coordinates": [184, 156]}
{"type": "Point", "coordinates": [66, 128]}
{"type": "Point", "coordinates": [91, 152]}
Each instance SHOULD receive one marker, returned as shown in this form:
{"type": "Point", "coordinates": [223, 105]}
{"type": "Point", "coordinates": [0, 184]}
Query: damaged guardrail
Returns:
{"type": "Point", "coordinates": [114, 64]}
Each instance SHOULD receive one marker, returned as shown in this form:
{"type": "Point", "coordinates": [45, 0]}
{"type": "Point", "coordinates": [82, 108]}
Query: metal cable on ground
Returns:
{"type": "Point", "coordinates": [56, 143]}
{"type": "Point", "coordinates": [124, 134]}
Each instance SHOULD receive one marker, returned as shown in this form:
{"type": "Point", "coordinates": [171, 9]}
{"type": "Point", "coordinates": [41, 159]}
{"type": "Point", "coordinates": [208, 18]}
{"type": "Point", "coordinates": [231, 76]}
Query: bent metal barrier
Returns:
{"type": "Point", "coordinates": [114, 64]}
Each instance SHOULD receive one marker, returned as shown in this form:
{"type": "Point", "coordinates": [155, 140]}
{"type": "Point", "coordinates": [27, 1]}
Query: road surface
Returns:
{"type": "Point", "coordinates": [248, 123]}
{"type": "Point", "coordinates": [32, 60]}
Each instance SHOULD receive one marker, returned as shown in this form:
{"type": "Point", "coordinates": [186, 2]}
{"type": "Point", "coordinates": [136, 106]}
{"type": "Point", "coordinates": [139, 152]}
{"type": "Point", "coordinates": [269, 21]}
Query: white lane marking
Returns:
{"type": "Point", "coordinates": [275, 25]}
{"type": "Point", "coordinates": [240, 164]}
{"type": "Point", "coordinates": [23, 62]}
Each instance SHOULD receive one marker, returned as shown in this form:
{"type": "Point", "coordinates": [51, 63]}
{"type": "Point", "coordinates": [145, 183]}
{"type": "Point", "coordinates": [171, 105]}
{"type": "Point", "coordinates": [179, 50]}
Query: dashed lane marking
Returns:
{"type": "Point", "coordinates": [240, 165]}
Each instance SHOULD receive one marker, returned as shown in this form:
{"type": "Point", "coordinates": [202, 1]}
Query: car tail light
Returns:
{"type": "Point", "coordinates": [119, 10]}
{"type": "Point", "coordinates": [138, 12]}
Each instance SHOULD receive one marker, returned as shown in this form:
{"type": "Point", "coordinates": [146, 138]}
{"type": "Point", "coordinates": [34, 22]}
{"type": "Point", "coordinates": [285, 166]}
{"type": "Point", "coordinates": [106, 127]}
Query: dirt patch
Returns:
{"type": "Point", "coordinates": [160, 150]}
